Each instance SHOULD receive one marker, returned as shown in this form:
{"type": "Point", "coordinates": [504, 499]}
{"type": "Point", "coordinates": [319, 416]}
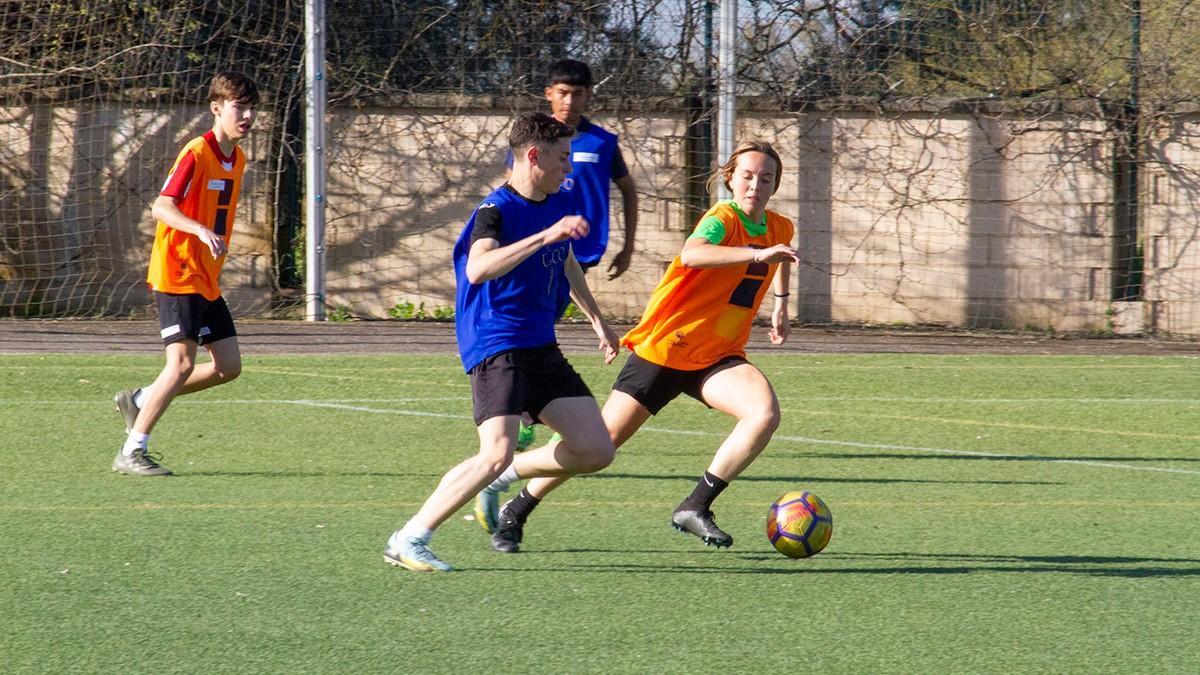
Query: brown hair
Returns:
{"type": "Point", "coordinates": [230, 85]}
{"type": "Point", "coordinates": [724, 173]}
{"type": "Point", "coordinates": [536, 128]}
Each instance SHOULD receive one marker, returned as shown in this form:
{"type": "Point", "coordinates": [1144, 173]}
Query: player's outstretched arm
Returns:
{"type": "Point", "coordinates": [582, 296]}
{"type": "Point", "coordinates": [489, 260]}
{"type": "Point", "coordinates": [165, 210]}
{"type": "Point", "coordinates": [700, 253]}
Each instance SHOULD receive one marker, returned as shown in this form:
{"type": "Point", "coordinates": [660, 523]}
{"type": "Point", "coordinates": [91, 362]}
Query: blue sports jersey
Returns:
{"type": "Point", "coordinates": [595, 162]}
{"type": "Point", "coordinates": [518, 309]}
{"type": "Point", "coordinates": [592, 152]}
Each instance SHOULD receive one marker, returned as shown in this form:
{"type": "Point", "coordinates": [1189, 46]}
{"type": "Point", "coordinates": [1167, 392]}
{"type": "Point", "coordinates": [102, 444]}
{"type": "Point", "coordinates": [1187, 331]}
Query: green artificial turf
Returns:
{"type": "Point", "coordinates": [992, 514]}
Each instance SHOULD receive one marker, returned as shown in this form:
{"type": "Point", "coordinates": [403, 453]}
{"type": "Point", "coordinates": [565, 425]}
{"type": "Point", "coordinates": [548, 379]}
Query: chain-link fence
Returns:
{"type": "Point", "coordinates": [1010, 164]}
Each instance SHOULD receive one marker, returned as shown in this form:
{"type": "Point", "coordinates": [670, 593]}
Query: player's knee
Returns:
{"type": "Point", "coordinates": [229, 373]}
{"type": "Point", "coordinates": [597, 455]}
{"type": "Point", "coordinates": [495, 459]}
{"type": "Point", "coordinates": [765, 421]}
{"type": "Point", "coordinates": [181, 368]}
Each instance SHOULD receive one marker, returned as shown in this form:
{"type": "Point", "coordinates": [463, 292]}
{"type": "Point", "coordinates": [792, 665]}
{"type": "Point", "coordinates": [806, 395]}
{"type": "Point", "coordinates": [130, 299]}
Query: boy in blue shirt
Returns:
{"type": "Point", "coordinates": [515, 269]}
{"type": "Point", "coordinates": [596, 161]}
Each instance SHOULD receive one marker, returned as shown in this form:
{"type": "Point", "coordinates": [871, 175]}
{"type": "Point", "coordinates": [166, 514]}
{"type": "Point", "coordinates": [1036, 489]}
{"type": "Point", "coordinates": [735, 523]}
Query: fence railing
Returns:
{"type": "Point", "coordinates": [1010, 165]}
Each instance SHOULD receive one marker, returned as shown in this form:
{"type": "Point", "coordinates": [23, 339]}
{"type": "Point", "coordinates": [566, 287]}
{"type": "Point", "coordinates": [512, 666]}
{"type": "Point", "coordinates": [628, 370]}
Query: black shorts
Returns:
{"type": "Point", "coordinates": [655, 386]}
{"type": "Point", "coordinates": [523, 380]}
{"type": "Point", "coordinates": [189, 316]}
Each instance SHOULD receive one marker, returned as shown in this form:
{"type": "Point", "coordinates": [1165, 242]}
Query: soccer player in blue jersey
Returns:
{"type": "Point", "coordinates": [596, 162]}
{"type": "Point", "coordinates": [515, 269]}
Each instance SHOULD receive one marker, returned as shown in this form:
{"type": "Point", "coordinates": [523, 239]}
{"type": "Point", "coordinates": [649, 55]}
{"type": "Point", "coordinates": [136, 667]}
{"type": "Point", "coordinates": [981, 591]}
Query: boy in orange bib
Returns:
{"type": "Point", "coordinates": [195, 211]}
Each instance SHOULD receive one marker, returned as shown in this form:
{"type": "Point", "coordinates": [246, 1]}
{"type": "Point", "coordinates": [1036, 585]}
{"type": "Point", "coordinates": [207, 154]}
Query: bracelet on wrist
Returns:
{"type": "Point", "coordinates": [782, 295]}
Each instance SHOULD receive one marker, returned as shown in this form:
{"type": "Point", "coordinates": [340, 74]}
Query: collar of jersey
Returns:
{"type": "Point", "coordinates": [752, 228]}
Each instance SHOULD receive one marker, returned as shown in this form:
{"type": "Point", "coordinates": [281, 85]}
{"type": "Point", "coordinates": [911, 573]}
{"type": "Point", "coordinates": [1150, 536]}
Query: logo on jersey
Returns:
{"type": "Point", "coordinates": [589, 157]}
{"type": "Point", "coordinates": [554, 257]}
{"type": "Point", "coordinates": [568, 183]}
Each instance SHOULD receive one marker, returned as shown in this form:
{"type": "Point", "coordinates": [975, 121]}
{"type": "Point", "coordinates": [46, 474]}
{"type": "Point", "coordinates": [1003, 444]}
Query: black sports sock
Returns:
{"type": "Point", "coordinates": [707, 489]}
{"type": "Point", "coordinates": [522, 505]}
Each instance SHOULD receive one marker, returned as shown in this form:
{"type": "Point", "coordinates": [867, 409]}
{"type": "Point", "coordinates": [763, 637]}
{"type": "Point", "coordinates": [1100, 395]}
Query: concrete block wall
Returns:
{"type": "Point", "coordinates": [909, 218]}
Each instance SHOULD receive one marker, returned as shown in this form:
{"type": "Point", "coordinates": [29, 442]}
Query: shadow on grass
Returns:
{"type": "Point", "coordinates": [988, 458]}
{"type": "Point", "coordinates": [297, 474]}
{"type": "Point", "coordinates": [685, 478]}
{"type": "Point", "coordinates": [901, 563]}
{"type": "Point", "coordinates": [815, 479]}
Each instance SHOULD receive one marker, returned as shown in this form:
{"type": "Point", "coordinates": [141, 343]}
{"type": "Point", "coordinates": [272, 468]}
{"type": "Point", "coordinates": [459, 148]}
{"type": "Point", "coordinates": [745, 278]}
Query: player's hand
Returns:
{"type": "Point", "coordinates": [568, 227]}
{"type": "Point", "coordinates": [781, 326]}
{"type": "Point", "coordinates": [610, 344]}
{"type": "Point", "coordinates": [620, 263]}
{"type": "Point", "coordinates": [215, 242]}
{"type": "Point", "coordinates": [777, 254]}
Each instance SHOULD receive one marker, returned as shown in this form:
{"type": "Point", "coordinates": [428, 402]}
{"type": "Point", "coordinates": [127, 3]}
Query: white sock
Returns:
{"type": "Point", "coordinates": [505, 479]}
{"type": "Point", "coordinates": [411, 530]}
{"type": "Point", "coordinates": [140, 396]}
{"type": "Point", "coordinates": [136, 441]}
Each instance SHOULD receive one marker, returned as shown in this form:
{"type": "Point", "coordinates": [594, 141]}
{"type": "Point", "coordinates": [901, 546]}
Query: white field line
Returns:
{"type": "Point", "coordinates": [347, 404]}
{"type": "Point", "coordinates": [822, 441]}
{"type": "Point", "coordinates": [384, 411]}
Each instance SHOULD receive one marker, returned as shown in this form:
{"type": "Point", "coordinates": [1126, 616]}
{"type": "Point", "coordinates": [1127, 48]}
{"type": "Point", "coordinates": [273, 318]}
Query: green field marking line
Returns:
{"type": "Point", "coordinates": [214, 506]}
{"type": "Point", "coordinates": [989, 401]}
{"type": "Point", "coordinates": [937, 451]}
{"type": "Point", "coordinates": [731, 504]}
{"type": "Point", "coordinates": [802, 399]}
{"type": "Point", "coordinates": [811, 362]}
{"type": "Point", "coordinates": [989, 366]}
{"type": "Point", "coordinates": [1000, 425]}
{"type": "Point", "coordinates": [970, 453]}
{"type": "Point", "coordinates": [226, 401]}
{"type": "Point", "coordinates": [373, 376]}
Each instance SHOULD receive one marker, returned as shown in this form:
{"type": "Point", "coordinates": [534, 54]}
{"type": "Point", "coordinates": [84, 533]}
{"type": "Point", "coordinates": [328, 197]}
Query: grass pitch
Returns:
{"type": "Point", "coordinates": [991, 515]}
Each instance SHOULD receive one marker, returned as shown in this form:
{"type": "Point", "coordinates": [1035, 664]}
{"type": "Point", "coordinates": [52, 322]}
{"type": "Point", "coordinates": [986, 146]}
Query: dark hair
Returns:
{"type": "Point", "coordinates": [724, 173]}
{"type": "Point", "coordinates": [536, 128]}
{"type": "Point", "coordinates": [570, 72]}
{"type": "Point", "coordinates": [230, 85]}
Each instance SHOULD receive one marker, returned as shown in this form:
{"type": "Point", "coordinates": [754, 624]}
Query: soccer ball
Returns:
{"type": "Point", "coordinates": [799, 524]}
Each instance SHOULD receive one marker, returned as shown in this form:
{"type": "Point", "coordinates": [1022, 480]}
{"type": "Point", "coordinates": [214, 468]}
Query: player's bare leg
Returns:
{"type": "Point", "coordinates": [133, 458]}
{"type": "Point", "coordinates": [622, 415]}
{"type": "Point", "coordinates": [225, 366]}
{"type": "Point", "coordinates": [497, 442]}
{"type": "Point", "coordinates": [409, 546]}
{"type": "Point", "coordinates": [744, 393]}
{"type": "Point", "coordinates": [582, 445]}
